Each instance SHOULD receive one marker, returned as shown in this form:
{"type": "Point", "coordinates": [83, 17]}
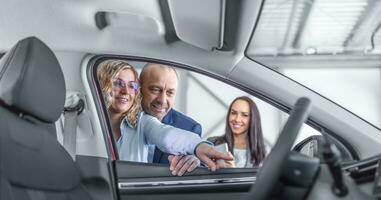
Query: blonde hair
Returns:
{"type": "Point", "coordinates": [107, 72]}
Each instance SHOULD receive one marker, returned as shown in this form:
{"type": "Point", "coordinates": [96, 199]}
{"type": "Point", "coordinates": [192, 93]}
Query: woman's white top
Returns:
{"type": "Point", "coordinates": [242, 158]}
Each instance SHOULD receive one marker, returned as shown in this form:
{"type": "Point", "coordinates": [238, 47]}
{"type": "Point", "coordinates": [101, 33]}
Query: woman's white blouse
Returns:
{"type": "Point", "coordinates": [242, 158]}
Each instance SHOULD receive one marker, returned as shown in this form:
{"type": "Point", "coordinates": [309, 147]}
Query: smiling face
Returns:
{"type": "Point", "coordinates": [158, 87]}
{"type": "Point", "coordinates": [239, 117]}
{"type": "Point", "coordinates": [123, 91]}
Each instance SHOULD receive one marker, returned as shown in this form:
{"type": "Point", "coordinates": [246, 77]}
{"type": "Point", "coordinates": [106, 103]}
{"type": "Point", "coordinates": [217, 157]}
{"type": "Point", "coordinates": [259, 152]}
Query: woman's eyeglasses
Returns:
{"type": "Point", "coordinates": [131, 86]}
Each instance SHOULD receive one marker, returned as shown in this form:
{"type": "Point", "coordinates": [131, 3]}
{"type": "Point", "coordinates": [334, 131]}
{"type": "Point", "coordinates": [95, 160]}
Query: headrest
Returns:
{"type": "Point", "coordinates": [31, 80]}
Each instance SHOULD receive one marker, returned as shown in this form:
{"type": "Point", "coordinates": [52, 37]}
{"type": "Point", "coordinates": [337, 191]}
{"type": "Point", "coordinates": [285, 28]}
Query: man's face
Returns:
{"type": "Point", "coordinates": [159, 90]}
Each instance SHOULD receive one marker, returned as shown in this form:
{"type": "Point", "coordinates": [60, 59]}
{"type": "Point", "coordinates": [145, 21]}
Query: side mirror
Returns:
{"type": "Point", "coordinates": [311, 147]}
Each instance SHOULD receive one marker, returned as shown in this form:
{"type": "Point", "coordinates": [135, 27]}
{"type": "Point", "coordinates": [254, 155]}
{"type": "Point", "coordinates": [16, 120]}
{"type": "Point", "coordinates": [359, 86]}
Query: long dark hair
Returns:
{"type": "Point", "coordinates": [255, 136]}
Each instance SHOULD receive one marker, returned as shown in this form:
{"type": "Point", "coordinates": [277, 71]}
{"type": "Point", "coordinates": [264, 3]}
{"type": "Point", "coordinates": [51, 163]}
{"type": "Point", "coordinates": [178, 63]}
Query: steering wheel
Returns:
{"type": "Point", "coordinates": [270, 172]}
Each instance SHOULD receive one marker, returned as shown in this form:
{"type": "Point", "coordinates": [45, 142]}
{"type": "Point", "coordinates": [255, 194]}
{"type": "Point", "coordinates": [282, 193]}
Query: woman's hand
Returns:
{"type": "Point", "coordinates": [226, 163]}
{"type": "Point", "coordinates": [210, 155]}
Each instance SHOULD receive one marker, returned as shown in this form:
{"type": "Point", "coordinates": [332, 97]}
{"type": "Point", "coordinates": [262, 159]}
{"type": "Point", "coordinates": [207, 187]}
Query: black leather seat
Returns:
{"type": "Point", "coordinates": [33, 165]}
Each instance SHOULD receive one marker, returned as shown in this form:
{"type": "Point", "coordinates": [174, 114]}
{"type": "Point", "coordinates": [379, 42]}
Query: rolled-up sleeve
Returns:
{"type": "Point", "coordinates": [168, 138]}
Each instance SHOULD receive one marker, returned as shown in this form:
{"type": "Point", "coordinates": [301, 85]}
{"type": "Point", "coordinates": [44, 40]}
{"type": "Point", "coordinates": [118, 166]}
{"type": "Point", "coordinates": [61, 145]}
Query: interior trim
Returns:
{"type": "Point", "coordinates": [183, 183]}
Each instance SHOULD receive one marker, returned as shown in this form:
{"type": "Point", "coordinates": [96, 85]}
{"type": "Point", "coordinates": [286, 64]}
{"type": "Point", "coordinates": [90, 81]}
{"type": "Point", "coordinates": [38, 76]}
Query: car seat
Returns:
{"type": "Point", "coordinates": [33, 165]}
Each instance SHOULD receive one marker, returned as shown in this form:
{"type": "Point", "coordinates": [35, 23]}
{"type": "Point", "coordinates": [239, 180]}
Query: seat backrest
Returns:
{"type": "Point", "coordinates": [33, 165]}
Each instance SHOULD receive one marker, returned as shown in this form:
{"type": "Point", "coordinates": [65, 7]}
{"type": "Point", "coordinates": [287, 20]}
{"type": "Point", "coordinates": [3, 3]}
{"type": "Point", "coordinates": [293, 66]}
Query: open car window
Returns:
{"type": "Point", "coordinates": [206, 100]}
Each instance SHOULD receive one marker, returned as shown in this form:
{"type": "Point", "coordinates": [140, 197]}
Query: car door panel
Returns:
{"type": "Point", "coordinates": [145, 181]}
{"type": "Point", "coordinates": [96, 176]}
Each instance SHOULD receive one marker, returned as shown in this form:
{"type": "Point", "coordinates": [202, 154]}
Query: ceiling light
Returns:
{"type": "Point", "coordinates": [310, 50]}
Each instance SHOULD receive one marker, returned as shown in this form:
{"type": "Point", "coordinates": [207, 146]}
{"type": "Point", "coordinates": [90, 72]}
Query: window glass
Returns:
{"type": "Point", "coordinates": [206, 100]}
{"type": "Point", "coordinates": [333, 47]}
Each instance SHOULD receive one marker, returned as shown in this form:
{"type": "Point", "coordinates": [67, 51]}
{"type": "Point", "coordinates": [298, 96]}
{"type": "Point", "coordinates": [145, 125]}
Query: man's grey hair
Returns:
{"type": "Point", "coordinates": [148, 65]}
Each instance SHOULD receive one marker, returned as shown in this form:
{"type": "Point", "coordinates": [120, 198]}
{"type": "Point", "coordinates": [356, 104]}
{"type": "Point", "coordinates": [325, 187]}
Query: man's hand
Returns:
{"type": "Point", "coordinates": [183, 163]}
{"type": "Point", "coordinates": [209, 156]}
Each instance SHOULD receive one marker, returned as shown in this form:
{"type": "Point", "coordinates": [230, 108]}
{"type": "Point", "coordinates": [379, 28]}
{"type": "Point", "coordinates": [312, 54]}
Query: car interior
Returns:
{"type": "Point", "coordinates": [56, 139]}
{"type": "Point", "coordinates": [31, 138]}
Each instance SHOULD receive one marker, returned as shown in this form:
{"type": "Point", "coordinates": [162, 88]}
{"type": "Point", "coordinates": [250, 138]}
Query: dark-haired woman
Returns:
{"type": "Point", "coordinates": [243, 133]}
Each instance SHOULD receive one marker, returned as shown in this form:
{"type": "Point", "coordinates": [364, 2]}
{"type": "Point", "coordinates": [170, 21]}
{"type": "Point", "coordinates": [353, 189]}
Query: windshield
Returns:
{"type": "Point", "coordinates": [330, 46]}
